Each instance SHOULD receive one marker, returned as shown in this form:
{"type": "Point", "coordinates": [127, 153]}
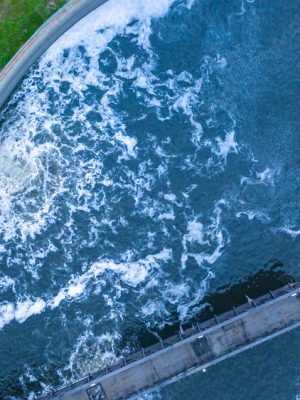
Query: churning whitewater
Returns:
{"type": "Point", "coordinates": [142, 164]}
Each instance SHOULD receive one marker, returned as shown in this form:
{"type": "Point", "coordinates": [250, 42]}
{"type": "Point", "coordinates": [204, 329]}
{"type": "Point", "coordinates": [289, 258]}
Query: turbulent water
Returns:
{"type": "Point", "coordinates": [149, 158]}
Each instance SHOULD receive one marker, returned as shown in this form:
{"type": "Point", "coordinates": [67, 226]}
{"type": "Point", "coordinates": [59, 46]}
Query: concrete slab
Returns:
{"type": "Point", "coordinates": [237, 333]}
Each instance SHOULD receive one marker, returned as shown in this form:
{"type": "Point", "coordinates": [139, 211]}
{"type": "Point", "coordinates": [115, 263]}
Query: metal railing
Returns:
{"type": "Point", "coordinates": [181, 335]}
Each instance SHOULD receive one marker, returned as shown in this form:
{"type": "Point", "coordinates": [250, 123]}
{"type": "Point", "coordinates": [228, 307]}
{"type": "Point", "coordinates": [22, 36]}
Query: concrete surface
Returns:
{"type": "Point", "coordinates": [197, 352]}
{"type": "Point", "coordinates": [42, 39]}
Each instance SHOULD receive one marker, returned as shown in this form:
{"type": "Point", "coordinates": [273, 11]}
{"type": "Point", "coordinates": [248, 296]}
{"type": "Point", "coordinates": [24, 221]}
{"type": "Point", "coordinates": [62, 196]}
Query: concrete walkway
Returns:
{"type": "Point", "coordinates": [209, 343]}
{"type": "Point", "coordinates": [32, 50]}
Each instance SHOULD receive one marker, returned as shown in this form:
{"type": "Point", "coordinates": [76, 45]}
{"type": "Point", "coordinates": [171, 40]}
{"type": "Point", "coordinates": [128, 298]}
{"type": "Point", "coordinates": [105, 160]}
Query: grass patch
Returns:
{"type": "Point", "coordinates": [19, 19]}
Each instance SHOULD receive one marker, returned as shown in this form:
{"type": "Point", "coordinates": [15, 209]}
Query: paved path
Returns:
{"type": "Point", "coordinates": [32, 50]}
{"type": "Point", "coordinates": [193, 350]}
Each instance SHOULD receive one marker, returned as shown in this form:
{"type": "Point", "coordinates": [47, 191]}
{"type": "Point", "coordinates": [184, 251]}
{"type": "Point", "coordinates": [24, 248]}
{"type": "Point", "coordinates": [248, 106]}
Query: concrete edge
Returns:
{"type": "Point", "coordinates": [67, 16]}
{"type": "Point", "coordinates": [216, 361]}
{"type": "Point", "coordinates": [189, 339]}
{"type": "Point", "coordinates": [192, 337]}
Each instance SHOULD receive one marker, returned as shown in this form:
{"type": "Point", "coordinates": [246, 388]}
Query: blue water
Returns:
{"type": "Point", "coordinates": [149, 162]}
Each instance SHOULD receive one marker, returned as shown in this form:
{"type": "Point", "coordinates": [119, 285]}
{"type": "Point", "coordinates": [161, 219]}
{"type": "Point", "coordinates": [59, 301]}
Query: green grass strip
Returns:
{"type": "Point", "coordinates": [19, 19]}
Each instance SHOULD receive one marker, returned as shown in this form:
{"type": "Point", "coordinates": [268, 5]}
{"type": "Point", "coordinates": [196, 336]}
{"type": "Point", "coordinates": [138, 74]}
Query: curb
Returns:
{"type": "Point", "coordinates": [40, 41]}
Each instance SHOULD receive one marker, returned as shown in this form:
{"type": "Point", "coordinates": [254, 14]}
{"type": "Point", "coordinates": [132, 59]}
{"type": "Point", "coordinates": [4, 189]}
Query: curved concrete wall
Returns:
{"type": "Point", "coordinates": [42, 39]}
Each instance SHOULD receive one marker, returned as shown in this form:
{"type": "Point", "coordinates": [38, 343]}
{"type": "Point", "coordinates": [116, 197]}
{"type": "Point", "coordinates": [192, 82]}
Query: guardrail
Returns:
{"type": "Point", "coordinates": [181, 335]}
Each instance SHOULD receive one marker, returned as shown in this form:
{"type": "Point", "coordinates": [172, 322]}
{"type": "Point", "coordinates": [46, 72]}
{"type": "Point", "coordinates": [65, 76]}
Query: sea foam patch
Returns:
{"type": "Point", "coordinates": [110, 19]}
{"type": "Point", "coordinates": [20, 311]}
{"type": "Point", "coordinates": [55, 160]}
{"type": "Point", "coordinates": [132, 273]}
{"type": "Point", "coordinates": [110, 213]}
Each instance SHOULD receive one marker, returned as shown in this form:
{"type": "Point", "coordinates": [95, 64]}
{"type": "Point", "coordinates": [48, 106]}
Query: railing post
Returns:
{"type": "Point", "coordinates": [291, 286]}
{"type": "Point", "coordinates": [294, 287]}
{"type": "Point", "coordinates": [251, 301]}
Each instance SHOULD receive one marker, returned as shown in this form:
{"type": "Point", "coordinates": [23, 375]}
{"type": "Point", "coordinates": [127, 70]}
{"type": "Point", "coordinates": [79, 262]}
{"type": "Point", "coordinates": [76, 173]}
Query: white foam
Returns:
{"type": "Point", "coordinates": [27, 308]}
{"type": "Point", "coordinates": [190, 4]}
{"type": "Point", "coordinates": [291, 232]}
{"type": "Point", "coordinates": [251, 214]}
{"type": "Point", "coordinates": [176, 292]}
{"type": "Point", "coordinates": [97, 29]}
{"type": "Point", "coordinates": [170, 197]}
{"type": "Point", "coordinates": [5, 283]}
{"type": "Point", "coordinates": [92, 352]}
{"type": "Point", "coordinates": [167, 215]}
{"type": "Point", "coordinates": [195, 232]}
{"type": "Point", "coordinates": [212, 235]}
{"type": "Point", "coordinates": [129, 142]}
{"type": "Point", "coordinates": [132, 273]}
{"type": "Point", "coordinates": [20, 171]}
{"type": "Point", "coordinates": [184, 308]}
{"type": "Point", "coordinates": [185, 98]}
{"type": "Point", "coordinates": [266, 177]}
{"type": "Point", "coordinates": [20, 311]}
{"type": "Point", "coordinates": [226, 146]}
{"type": "Point", "coordinates": [156, 308]}
{"type": "Point", "coordinates": [95, 33]}
{"type": "Point", "coordinates": [6, 314]}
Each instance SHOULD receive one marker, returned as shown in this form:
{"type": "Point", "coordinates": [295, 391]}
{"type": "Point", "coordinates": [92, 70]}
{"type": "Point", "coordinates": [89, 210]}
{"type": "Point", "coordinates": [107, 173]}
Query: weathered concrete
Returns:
{"type": "Point", "coordinates": [42, 39]}
{"type": "Point", "coordinates": [255, 325]}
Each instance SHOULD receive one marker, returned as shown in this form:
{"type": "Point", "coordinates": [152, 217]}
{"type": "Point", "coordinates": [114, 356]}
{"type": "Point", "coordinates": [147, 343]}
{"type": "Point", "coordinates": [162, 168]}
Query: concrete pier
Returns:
{"type": "Point", "coordinates": [192, 350]}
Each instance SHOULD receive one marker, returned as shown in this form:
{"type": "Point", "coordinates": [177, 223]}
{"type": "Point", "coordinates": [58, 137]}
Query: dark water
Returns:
{"type": "Point", "coordinates": [149, 165]}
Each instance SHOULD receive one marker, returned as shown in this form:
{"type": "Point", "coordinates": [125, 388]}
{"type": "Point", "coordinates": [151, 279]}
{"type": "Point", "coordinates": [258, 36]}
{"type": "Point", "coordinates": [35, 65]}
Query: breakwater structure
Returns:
{"type": "Point", "coordinates": [40, 41]}
{"type": "Point", "coordinates": [192, 350]}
